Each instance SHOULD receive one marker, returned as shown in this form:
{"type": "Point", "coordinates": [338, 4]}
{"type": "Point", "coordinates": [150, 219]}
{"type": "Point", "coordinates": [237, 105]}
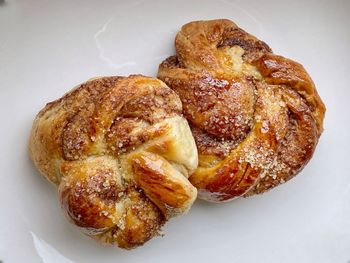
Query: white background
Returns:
{"type": "Point", "coordinates": [47, 47]}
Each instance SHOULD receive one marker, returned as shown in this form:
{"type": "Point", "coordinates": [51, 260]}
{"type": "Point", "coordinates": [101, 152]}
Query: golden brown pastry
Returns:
{"type": "Point", "coordinates": [256, 117]}
{"type": "Point", "coordinates": [120, 153]}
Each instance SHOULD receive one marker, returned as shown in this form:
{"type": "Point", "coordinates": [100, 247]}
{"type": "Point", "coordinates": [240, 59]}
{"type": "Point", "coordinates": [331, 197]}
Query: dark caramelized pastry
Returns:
{"type": "Point", "coordinates": [256, 117]}
{"type": "Point", "coordinates": [120, 153]}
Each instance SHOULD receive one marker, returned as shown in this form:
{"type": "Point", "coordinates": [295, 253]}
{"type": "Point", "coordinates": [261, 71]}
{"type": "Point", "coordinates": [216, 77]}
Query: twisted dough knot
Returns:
{"type": "Point", "coordinates": [256, 117]}
{"type": "Point", "coordinates": [120, 153]}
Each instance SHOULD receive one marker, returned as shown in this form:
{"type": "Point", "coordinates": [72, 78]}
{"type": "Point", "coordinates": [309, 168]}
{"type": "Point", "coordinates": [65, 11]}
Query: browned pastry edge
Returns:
{"type": "Point", "coordinates": [256, 116]}
{"type": "Point", "coordinates": [120, 153]}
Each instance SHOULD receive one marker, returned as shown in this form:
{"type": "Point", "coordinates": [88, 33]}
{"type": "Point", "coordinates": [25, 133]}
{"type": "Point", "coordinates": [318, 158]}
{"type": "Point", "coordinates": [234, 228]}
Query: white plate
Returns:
{"type": "Point", "coordinates": [47, 47]}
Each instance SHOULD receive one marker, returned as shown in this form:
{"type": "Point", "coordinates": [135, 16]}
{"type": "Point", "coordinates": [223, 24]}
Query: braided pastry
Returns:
{"type": "Point", "coordinates": [256, 117]}
{"type": "Point", "coordinates": [120, 153]}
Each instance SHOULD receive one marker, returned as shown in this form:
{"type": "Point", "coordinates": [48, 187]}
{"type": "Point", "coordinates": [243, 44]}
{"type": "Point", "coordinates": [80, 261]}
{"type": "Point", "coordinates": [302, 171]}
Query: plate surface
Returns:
{"type": "Point", "coordinates": [47, 47]}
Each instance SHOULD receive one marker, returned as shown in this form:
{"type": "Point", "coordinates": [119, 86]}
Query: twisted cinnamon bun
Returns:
{"type": "Point", "coordinates": [256, 117]}
{"type": "Point", "coordinates": [120, 153]}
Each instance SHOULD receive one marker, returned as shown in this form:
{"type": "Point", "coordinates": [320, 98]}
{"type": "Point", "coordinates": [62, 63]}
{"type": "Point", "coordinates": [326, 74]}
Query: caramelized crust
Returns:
{"type": "Point", "coordinates": [120, 153]}
{"type": "Point", "coordinates": [256, 117]}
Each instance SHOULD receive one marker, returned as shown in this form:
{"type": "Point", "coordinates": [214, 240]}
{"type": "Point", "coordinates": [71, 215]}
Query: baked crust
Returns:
{"type": "Point", "coordinates": [120, 153]}
{"type": "Point", "coordinates": [256, 116]}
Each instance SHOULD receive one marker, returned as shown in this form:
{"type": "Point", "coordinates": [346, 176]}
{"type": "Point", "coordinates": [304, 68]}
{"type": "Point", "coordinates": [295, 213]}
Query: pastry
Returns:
{"type": "Point", "coordinates": [256, 117]}
{"type": "Point", "coordinates": [120, 153]}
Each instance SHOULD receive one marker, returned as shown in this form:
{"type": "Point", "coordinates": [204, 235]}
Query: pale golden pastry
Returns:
{"type": "Point", "coordinates": [256, 116]}
{"type": "Point", "coordinates": [120, 153]}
